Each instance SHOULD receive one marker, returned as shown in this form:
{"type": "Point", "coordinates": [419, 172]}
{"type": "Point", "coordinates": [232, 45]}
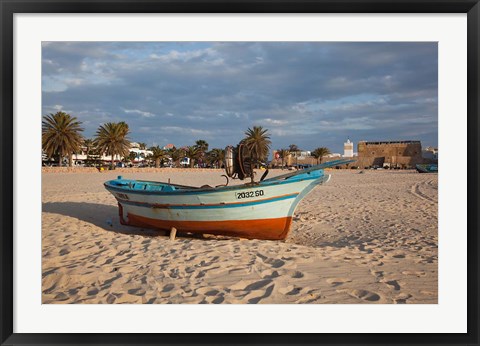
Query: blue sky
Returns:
{"type": "Point", "coordinates": [312, 94]}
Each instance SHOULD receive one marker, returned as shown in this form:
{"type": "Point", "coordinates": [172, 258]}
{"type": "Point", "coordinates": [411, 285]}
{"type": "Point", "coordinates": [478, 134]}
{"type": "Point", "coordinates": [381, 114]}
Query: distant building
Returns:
{"type": "Point", "coordinates": [168, 146]}
{"type": "Point", "coordinates": [430, 153]}
{"type": "Point", "coordinates": [81, 157]}
{"type": "Point", "coordinates": [403, 154]}
{"type": "Point", "coordinates": [348, 148]}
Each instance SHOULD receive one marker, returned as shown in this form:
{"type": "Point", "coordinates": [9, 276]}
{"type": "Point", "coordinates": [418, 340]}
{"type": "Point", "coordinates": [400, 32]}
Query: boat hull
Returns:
{"type": "Point", "coordinates": [268, 229]}
{"type": "Point", "coordinates": [262, 211]}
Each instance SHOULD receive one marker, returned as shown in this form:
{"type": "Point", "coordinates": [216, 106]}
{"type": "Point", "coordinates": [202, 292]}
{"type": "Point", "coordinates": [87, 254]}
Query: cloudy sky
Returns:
{"type": "Point", "coordinates": [308, 94]}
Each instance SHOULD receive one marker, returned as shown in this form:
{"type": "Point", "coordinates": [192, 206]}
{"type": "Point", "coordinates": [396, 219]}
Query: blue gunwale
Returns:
{"type": "Point", "coordinates": [190, 190]}
{"type": "Point", "coordinates": [209, 206]}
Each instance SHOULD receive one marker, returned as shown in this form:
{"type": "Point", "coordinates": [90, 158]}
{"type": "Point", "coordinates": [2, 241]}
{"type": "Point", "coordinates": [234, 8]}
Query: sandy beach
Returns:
{"type": "Point", "coordinates": [361, 238]}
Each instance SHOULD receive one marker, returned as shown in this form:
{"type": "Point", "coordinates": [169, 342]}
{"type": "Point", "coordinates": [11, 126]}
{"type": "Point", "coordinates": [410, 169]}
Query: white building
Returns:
{"type": "Point", "coordinates": [140, 155]}
{"type": "Point", "coordinates": [430, 153]}
{"type": "Point", "coordinates": [348, 148]}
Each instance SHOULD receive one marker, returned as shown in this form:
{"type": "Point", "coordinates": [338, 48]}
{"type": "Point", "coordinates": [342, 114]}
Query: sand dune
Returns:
{"type": "Point", "coordinates": [362, 238]}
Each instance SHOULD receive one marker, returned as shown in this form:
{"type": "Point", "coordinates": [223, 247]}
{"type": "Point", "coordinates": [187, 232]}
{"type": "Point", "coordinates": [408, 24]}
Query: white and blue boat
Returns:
{"type": "Point", "coordinates": [427, 168]}
{"type": "Point", "coordinates": [256, 210]}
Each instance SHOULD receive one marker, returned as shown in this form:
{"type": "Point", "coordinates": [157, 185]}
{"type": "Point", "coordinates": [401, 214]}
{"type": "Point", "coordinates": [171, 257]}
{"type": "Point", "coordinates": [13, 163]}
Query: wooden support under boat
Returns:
{"type": "Point", "coordinates": [173, 233]}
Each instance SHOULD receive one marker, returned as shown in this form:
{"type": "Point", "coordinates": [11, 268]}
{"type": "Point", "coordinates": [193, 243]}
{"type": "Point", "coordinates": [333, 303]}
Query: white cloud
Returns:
{"type": "Point", "coordinates": [137, 111]}
{"type": "Point", "coordinates": [274, 121]}
{"type": "Point", "coordinates": [184, 130]}
{"type": "Point", "coordinates": [175, 55]}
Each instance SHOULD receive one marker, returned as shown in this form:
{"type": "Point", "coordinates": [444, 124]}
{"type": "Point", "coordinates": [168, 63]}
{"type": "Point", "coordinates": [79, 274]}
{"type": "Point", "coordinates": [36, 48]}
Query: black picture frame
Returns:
{"type": "Point", "coordinates": [10, 7]}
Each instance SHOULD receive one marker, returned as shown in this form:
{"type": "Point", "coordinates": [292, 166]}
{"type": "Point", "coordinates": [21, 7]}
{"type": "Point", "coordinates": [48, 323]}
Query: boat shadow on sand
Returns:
{"type": "Point", "coordinates": [100, 215]}
{"type": "Point", "coordinates": [106, 217]}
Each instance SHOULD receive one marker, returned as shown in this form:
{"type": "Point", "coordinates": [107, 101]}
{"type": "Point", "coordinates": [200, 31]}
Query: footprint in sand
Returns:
{"type": "Point", "coordinates": [267, 293]}
{"type": "Point", "coordinates": [207, 291]}
{"type": "Point", "coordinates": [311, 296]}
{"type": "Point", "coordinates": [64, 252]}
{"type": "Point", "coordinates": [377, 273]}
{"type": "Point", "coordinates": [270, 274]}
{"type": "Point", "coordinates": [338, 281]}
{"type": "Point", "coordinates": [218, 300]}
{"type": "Point", "coordinates": [61, 297]}
{"type": "Point", "coordinates": [273, 262]}
{"type": "Point", "coordinates": [402, 298]}
{"type": "Point", "coordinates": [137, 291]}
{"type": "Point", "coordinates": [364, 295]}
{"type": "Point", "coordinates": [393, 283]}
{"type": "Point", "coordinates": [297, 275]}
{"type": "Point", "coordinates": [168, 288]}
{"type": "Point", "coordinates": [257, 285]}
{"type": "Point", "coordinates": [294, 291]}
{"type": "Point", "coordinates": [92, 291]}
{"type": "Point", "coordinates": [411, 272]}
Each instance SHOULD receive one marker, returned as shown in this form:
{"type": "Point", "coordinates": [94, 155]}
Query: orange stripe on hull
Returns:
{"type": "Point", "coordinates": [269, 229]}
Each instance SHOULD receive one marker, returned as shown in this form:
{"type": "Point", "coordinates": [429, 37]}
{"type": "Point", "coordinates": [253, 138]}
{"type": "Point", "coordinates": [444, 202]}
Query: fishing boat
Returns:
{"type": "Point", "coordinates": [255, 210]}
{"type": "Point", "coordinates": [427, 168]}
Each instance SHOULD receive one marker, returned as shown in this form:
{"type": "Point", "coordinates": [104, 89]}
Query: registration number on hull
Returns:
{"type": "Point", "coordinates": [249, 194]}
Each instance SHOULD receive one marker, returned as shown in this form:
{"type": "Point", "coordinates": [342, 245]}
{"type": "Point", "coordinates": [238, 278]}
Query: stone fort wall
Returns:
{"type": "Point", "coordinates": [402, 154]}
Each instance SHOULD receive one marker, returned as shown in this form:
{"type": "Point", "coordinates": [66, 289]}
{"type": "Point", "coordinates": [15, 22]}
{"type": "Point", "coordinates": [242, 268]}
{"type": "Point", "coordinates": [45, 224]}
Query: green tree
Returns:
{"type": "Point", "coordinates": [258, 142]}
{"type": "Point", "coordinates": [111, 139]}
{"type": "Point", "coordinates": [93, 155]}
{"type": "Point", "coordinates": [61, 135]}
{"type": "Point", "coordinates": [294, 151]}
{"type": "Point", "coordinates": [142, 146]}
{"type": "Point", "coordinates": [158, 154]}
{"type": "Point", "coordinates": [88, 143]}
{"type": "Point", "coordinates": [283, 153]}
{"type": "Point", "coordinates": [216, 156]}
{"type": "Point", "coordinates": [175, 154]}
{"type": "Point", "coordinates": [124, 127]}
{"type": "Point", "coordinates": [293, 148]}
{"type": "Point", "coordinates": [202, 145]}
{"type": "Point", "coordinates": [193, 153]}
{"type": "Point", "coordinates": [132, 156]}
{"type": "Point", "coordinates": [319, 153]}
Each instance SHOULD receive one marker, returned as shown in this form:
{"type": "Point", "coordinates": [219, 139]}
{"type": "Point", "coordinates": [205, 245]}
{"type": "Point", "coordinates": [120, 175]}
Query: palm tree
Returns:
{"type": "Point", "coordinates": [124, 126]}
{"type": "Point", "coordinates": [257, 142]}
{"type": "Point", "coordinates": [283, 154]}
{"type": "Point", "coordinates": [88, 143]}
{"type": "Point", "coordinates": [319, 153]}
{"type": "Point", "coordinates": [61, 134]}
{"type": "Point", "coordinates": [175, 154]}
{"type": "Point", "coordinates": [158, 154]}
{"type": "Point", "coordinates": [132, 156]}
{"type": "Point", "coordinates": [294, 150]}
{"type": "Point", "coordinates": [216, 157]}
{"type": "Point", "coordinates": [192, 153]}
{"type": "Point", "coordinates": [202, 145]}
{"type": "Point", "coordinates": [111, 139]}
{"type": "Point", "coordinates": [142, 146]}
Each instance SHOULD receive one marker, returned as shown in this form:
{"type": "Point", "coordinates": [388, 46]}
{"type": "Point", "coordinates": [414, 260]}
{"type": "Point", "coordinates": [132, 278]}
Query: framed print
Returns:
{"type": "Point", "coordinates": [237, 173]}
